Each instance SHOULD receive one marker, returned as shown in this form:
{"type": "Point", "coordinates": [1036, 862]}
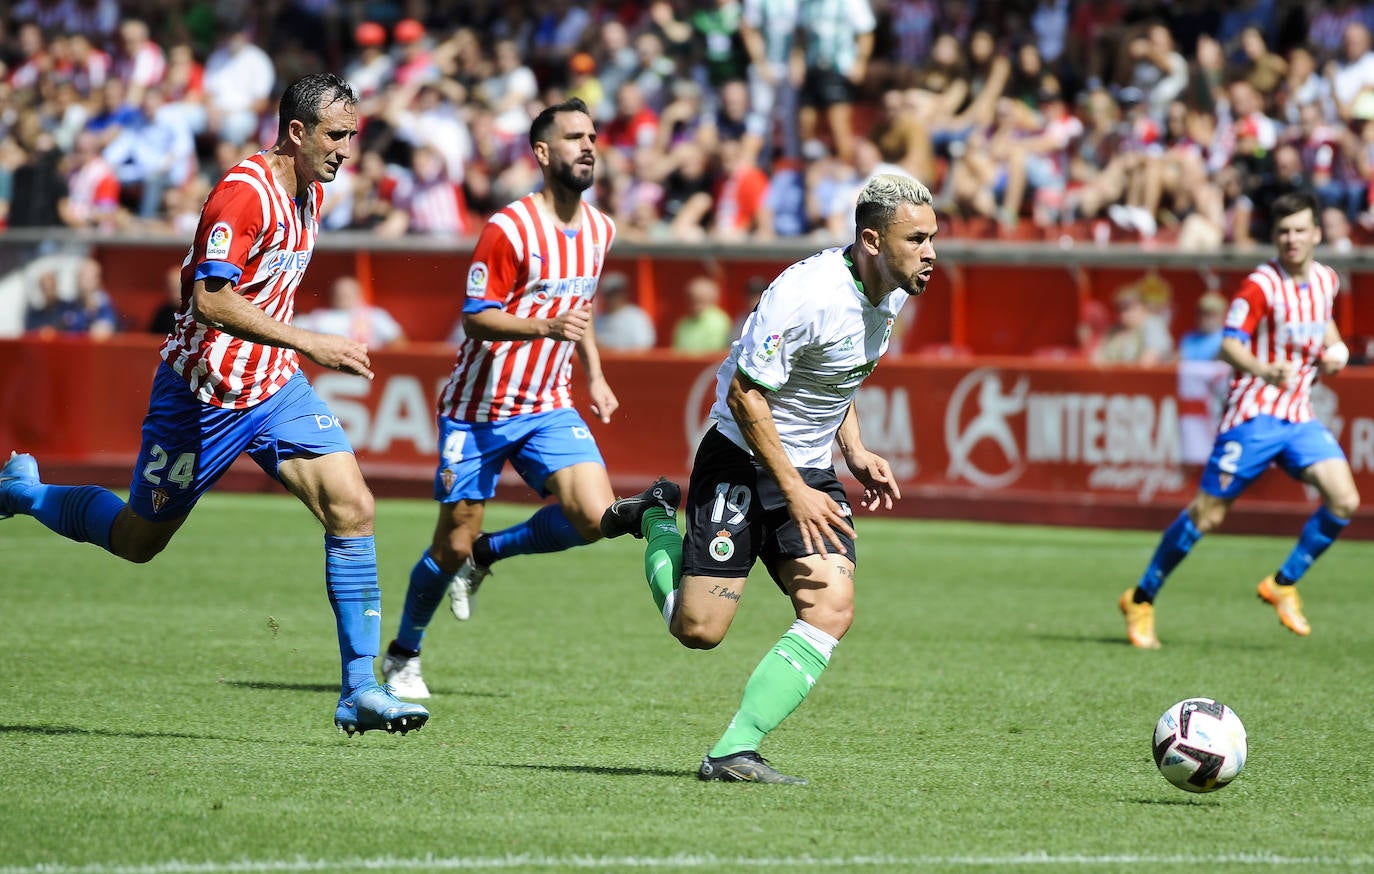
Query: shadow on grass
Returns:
{"type": "Point", "coordinates": [1192, 801]}
{"type": "Point", "coordinates": [1120, 640]}
{"type": "Point", "coordinates": [325, 687]}
{"type": "Point", "coordinates": [142, 735]}
{"type": "Point", "coordinates": [598, 769]}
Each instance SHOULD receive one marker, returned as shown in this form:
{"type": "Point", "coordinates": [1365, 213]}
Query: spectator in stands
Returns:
{"type": "Point", "coordinates": [634, 124]}
{"type": "Point", "coordinates": [1203, 342]}
{"type": "Point", "coordinates": [509, 91]}
{"type": "Point", "coordinates": [239, 78]}
{"type": "Point", "coordinates": [740, 208]}
{"type": "Point", "coordinates": [616, 63]}
{"type": "Point", "coordinates": [1135, 338]}
{"type": "Point", "coordinates": [373, 69]}
{"type": "Point", "coordinates": [705, 327]}
{"type": "Point", "coordinates": [52, 314]}
{"type": "Point", "coordinates": [1328, 158]}
{"type": "Point", "coordinates": [622, 325]}
{"type": "Point", "coordinates": [656, 68]}
{"type": "Point", "coordinates": [836, 45]}
{"type": "Point", "coordinates": [415, 63]}
{"type": "Point", "coordinates": [96, 314]}
{"type": "Point", "coordinates": [164, 318]}
{"type": "Point", "coordinates": [768, 29]}
{"type": "Point", "coordinates": [155, 152]}
{"type": "Point", "coordinates": [1352, 75]}
{"type": "Point", "coordinates": [584, 84]}
{"type": "Point", "coordinates": [1336, 228]}
{"type": "Point", "coordinates": [687, 192]}
{"type": "Point", "coordinates": [350, 315]}
{"type": "Point", "coordinates": [434, 202]}
{"type": "Point", "coordinates": [140, 63]}
{"type": "Point", "coordinates": [92, 200]}
{"type": "Point", "coordinates": [1303, 85]}
{"type": "Point", "coordinates": [380, 195]}
{"type": "Point", "coordinates": [1094, 323]}
{"type": "Point", "coordinates": [39, 189]}
{"type": "Point", "coordinates": [718, 44]}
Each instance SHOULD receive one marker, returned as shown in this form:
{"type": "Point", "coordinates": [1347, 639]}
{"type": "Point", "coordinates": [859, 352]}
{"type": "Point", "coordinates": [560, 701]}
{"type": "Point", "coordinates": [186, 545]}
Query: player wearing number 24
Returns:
{"type": "Point", "coordinates": [1279, 338]}
{"type": "Point", "coordinates": [230, 383]}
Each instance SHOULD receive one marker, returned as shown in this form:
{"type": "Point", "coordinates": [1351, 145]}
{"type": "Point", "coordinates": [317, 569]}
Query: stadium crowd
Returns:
{"type": "Point", "coordinates": [718, 119]}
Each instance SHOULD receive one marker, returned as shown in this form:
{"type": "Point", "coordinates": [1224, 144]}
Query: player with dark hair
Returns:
{"type": "Point", "coordinates": [230, 382]}
{"type": "Point", "coordinates": [530, 287]}
{"type": "Point", "coordinates": [763, 486]}
{"type": "Point", "coordinates": [1279, 337]}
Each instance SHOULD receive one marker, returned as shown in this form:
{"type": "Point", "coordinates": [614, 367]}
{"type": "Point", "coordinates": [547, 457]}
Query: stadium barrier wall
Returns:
{"type": "Point", "coordinates": [986, 298]}
{"type": "Point", "coordinates": [991, 438]}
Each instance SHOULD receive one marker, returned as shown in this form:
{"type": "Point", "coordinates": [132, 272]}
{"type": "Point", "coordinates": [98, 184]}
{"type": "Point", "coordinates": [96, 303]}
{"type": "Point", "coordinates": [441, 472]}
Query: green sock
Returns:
{"type": "Point", "coordinates": [662, 553]}
{"type": "Point", "coordinates": [776, 687]}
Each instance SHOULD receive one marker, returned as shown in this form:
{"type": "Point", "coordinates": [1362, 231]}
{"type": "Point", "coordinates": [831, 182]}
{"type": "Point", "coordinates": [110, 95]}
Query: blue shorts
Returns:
{"type": "Point", "coordinates": [471, 454]}
{"type": "Point", "coordinates": [189, 444]}
{"type": "Point", "coordinates": [1241, 454]}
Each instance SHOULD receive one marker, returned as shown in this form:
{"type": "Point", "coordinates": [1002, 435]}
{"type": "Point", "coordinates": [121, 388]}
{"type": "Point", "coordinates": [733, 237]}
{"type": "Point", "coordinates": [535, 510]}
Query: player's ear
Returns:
{"type": "Point", "coordinates": [871, 240]}
{"type": "Point", "coordinates": [295, 131]}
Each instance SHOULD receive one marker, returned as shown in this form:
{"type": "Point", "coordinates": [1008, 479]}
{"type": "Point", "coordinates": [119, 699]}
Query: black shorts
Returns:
{"type": "Point", "coordinates": [824, 87]}
{"type": "Point", "coordinates": [736, 514]}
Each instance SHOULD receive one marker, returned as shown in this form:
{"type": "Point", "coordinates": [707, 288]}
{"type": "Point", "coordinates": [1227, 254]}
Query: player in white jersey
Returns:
{"type": "Point", "coordinates": [230, 383]}
{"type": "Point", "coordinates": [763, 485]}
{"type": "Point", "coordinates": [528, 308]}
{"type": "Point", "coordinates": [1279, 338]}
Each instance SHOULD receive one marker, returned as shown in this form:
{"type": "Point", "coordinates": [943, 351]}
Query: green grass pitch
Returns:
{"type": "Point", "coordinates": [983, 714]}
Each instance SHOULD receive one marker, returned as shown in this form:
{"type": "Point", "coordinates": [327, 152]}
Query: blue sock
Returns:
{"type": "Point", "coordinates": [548, 530]}
{"type": "Point", "coordinates": [350, 575]}
{"type": "Point", "coordinates": [1173, 547]}
{"type": "Point", "coordinates": [85, 514]}
{"type": "Point", "coordinates": [1321, 530]}
{"type": "Point", "coordinates": [428, 583]}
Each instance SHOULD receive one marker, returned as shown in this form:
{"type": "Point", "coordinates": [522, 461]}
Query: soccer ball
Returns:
{"type": "Point", "coordinates": [1199, 745]}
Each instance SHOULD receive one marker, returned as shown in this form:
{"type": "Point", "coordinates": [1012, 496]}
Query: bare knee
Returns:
{"type": "Point", "coordinates": [1207, 517]}
{"type": "Point", "coordinates": [139, 553]}
{"type": "Point", "coordinates": [350, 515]}
{"type": "Point", "coordinates": [1343, 506]}
{"type": "Point", "coordinates": [834, 620]}
{"type": "Point", "coordinates": [696, 635]}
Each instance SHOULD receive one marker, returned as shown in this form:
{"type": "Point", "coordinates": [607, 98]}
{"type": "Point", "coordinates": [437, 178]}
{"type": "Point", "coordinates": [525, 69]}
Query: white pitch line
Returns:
{"type": "Point", "coordinates": [683, 861]}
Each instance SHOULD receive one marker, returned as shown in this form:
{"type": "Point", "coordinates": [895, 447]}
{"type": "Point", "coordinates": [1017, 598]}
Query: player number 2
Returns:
{"type": "Point", "coordinates": [1230, 457]}
{"type": "Point", "coordinates": [182, 472]}
{"type": "Point", "coordinates": [734, 499]}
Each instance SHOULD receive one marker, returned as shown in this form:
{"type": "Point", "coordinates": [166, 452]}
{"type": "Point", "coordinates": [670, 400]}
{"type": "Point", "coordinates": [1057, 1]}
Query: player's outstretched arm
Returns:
{"type": "Point", "coordinates": [869, 468]}
{"type": "Point", "coordinates": [215, 303]}
{"type": "Point", "coordinates": [817, 515]}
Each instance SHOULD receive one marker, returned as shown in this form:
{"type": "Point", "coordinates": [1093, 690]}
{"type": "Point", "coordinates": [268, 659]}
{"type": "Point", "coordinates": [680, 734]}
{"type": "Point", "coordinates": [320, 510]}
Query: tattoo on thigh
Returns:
{"type": "Point", "coordinates": [845, 571]}
{"type": "Point", "coordinates": [725, 592]}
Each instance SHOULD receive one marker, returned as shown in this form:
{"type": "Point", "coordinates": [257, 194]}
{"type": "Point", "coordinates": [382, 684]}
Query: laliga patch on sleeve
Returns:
{"type": "Point", "coordinates": [217, 246]}
{"type": "Point", "coordinates": [1235, 316]}
{"type": "Point", "coordinates": [477, 279]}
{"type": "Point", "coordinates": [768, 348]}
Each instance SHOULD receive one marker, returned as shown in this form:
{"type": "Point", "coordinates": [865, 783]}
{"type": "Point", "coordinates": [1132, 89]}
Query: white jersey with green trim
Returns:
{"type": "Point", "coordinates": [811, 341]}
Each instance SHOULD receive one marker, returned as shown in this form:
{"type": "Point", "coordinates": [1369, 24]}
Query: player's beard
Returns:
{"type": "Point", "coordinates": [567, 175]}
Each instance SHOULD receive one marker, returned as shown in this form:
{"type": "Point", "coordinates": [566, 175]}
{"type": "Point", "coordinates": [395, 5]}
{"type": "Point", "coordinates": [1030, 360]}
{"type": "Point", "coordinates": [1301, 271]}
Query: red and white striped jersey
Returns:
{"type": "Point", "coordinates": [255, 234]}
{"type": "Point", "coordinates": [528, 266]}
{"type": "Point", "coordinates": [1285, 320]}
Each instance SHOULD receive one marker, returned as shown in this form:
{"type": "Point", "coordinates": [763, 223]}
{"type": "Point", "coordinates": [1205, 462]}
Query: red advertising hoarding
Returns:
{"type": "Point", "coordinates": [1010, 439]}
